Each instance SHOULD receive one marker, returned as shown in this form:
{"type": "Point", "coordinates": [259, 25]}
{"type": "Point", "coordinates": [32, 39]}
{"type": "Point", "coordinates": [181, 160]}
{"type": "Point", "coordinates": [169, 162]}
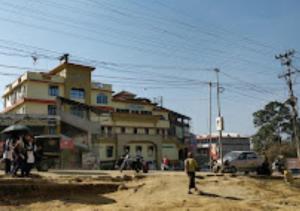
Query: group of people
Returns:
{"type": "Point", "coordinates": [19, 154]}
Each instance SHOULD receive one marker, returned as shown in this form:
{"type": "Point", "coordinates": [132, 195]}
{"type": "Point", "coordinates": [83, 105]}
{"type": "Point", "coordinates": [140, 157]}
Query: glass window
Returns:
{"type": "Point", "coordinates": [53, 91]}
{"type": "Point", "coordinates": [51, 110]}
{"type": "Point", "coordinates": [251, 156]}
{"type": "Point", "coordinates": [135, 130]}
{"type": "Point", "coordinates": [77, 93]}
{"type": "Point", "coordinates": [109, 151]}
{"type": "Point", "coordinates": [243, 156]}
{"type": "Point", "coordinates": [75, 110]}
{"type": "Point", "coordinates": [147, 131]}
{"type": "Point", "coordinates": [101, 99]}
{"type": "Point", "coordinates": [135, 112]}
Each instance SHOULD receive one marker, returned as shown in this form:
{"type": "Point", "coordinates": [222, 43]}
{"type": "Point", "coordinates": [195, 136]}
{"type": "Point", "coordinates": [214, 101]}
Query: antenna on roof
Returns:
{"type": "Point", "coordinates": [64, 58]}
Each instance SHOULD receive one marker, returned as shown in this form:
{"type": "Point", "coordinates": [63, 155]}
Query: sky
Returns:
{"type": "Point", "coordinates": [166, 48]}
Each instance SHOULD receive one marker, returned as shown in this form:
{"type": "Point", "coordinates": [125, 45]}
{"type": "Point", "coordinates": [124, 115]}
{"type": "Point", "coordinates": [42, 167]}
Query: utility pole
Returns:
{"type": "Point", "coordinates": [286, 60]}
{"type": "Point", "coordinates": [220, 124]}
{"type": "Point", "coordinates": [210, 138]}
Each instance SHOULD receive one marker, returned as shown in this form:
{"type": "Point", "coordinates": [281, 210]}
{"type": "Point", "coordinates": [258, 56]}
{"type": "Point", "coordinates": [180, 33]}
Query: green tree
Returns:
{"type": "Point", "coordinates": [274, 125]}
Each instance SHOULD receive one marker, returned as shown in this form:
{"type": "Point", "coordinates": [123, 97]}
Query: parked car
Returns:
{"type": "Point", "coordinates": [245, 161]}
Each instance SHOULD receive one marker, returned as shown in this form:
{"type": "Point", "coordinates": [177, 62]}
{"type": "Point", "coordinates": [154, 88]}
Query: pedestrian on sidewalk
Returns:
{"type": "Point", "coordinates": [190, 166]}
{"type": "Point", "coordinates": [30, 149]}
{"type": "Point", "coordinates": [19, 157]}
{"type": "Point", "coordinates": [8, 155]}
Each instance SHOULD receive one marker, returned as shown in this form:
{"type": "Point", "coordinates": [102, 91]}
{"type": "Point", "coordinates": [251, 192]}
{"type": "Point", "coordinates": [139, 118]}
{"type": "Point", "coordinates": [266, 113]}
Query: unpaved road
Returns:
{"type": "Point", "coordinates": [154, 191]}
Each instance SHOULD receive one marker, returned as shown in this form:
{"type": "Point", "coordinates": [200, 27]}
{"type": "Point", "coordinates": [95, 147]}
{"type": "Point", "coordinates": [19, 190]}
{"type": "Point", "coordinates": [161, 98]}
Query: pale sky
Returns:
{"type": "Point", "coordinates": [162, 48]}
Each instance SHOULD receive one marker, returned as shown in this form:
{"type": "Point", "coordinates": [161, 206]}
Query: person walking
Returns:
{"type": "Point", "coordinates": [8, 155]}
{"type": "Point", "coordinates": [30, 149]}
{"type": "Point", "coordinates": [19, 157]}
{"type": "Point", "coordinates": [190, 166]}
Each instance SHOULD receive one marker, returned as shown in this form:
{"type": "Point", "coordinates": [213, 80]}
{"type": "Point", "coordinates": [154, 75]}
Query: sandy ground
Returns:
{"type": "Point", "coordinates": [154, 191]}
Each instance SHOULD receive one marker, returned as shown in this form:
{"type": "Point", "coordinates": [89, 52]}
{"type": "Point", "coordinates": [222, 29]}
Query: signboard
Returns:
{"type": "Point", "coordinates": [220, 123]}
{"type": "Point", "coordinates": [66, 144]}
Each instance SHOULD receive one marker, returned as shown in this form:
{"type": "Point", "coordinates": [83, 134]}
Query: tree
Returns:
{"type": "Point", "coordinates": [274, 125]}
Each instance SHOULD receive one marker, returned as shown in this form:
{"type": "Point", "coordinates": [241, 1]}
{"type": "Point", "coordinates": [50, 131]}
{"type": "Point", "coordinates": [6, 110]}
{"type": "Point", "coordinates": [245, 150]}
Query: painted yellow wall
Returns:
{"type": "Point", "coordinates": [36, 108]}
{"type": "Point", "coordinates": [147, 156]}
{"type": "Point", "coordinates": [39, 90]}
{"type": "Point", "coordinates": [78, 77]}
{"type": "Point", "coordinates": [101, 148]}
{"type": "Point", "coordinates": [94, 94]}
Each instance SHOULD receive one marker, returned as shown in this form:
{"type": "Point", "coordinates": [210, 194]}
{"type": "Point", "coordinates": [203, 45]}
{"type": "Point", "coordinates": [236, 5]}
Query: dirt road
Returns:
{"type": "Point", "coordinates": [154, 191]}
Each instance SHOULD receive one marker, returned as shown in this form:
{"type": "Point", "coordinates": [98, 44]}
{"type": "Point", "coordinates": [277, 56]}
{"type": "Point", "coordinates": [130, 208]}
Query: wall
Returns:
{"type": "Point", "coordinates": [170, 151]}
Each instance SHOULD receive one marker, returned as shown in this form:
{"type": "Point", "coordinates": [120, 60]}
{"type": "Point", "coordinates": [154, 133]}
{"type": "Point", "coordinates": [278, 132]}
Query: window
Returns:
{"type": "Point", "coordinates": [102, 129]}
{"type": "Point", "coordinates": [147, 131]}
{"type": "Point", "coordinates": [52, 129]}
{"type": "Point", "coordinates": [101, 99]}
{"type": "Point", "coordinates": [109, 130]}
{"type": "Point", "coordinates": [123, 130]}
{"type": "Point", "coordinates": [243, 156]}
{"type": "Point", "coordinates": [162, 117]}
{"type": "Point", "coordinates": [75, 110]}
{"type": "Point", "coordinates": [251, 156]}
{"type": "Point", "coordinates": [119, 110]}
{"type": "Point", "coordinates": [109, 151]}
{"type": "Point", "coordinates": [53, 91]}
{"type": "Point", "coordinates": [138, 150]}
{"type": "Point", "coordinates": [157, 131]}
{"type": "Point", "coordinates": [146, 112]}
{"type": "Point", "coordinates": [77, 93]}
{"type": "Point", "coordinates": [135, 130]}
{"type": "Point", "coordinates": [135, 112]}
{"type": "Point", "coordinates": [51, 110]}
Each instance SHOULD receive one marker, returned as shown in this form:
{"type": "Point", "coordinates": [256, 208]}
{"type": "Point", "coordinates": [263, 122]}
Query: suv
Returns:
{"type": "Point", "coordinates": [239, 161]}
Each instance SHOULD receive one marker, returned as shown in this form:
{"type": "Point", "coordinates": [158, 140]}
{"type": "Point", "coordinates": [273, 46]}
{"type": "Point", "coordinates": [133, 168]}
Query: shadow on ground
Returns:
{"type": "Point", "coordinates": [19, 191]}
{"type": "Point", "coordinates": [213, 195]}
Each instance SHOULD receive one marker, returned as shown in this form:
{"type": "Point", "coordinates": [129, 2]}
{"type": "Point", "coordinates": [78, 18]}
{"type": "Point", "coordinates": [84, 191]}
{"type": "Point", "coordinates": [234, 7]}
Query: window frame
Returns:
{"type": "Point", "coordinates": [53, 90]}
{"type": "Point", "coordinates": [102, 99]}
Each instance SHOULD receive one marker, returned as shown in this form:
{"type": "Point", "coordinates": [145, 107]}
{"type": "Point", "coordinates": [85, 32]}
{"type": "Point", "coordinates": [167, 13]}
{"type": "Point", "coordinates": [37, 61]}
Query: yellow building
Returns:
{"type": "Point", "coordinates": [104, 123]}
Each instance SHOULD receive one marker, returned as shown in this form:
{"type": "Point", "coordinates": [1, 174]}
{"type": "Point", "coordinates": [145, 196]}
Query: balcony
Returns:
{"type": "Point", "coordinates": [135, 117]}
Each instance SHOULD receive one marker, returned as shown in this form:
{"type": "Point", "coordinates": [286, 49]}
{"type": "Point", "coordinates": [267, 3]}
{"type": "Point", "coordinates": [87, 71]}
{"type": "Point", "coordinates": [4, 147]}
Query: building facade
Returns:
{"type": "Point", "coordinates": [97, 120]}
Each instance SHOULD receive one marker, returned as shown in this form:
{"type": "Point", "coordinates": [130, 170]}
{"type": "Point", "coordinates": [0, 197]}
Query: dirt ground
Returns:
{"type": "Point", "coordinates": [154, 191]}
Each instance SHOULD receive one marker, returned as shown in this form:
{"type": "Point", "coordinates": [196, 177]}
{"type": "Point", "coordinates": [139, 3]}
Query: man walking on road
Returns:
{"type": "Point", "coordinates": [190, 166]}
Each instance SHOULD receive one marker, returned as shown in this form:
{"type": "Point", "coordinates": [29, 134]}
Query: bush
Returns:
{"type": "Point", "coordinates": [288, 150]}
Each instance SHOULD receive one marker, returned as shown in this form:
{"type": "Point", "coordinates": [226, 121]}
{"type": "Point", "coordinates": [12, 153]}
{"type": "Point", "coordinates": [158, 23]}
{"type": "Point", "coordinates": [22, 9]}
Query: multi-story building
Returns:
{"type": "Point", "coordinates": [66, 101]}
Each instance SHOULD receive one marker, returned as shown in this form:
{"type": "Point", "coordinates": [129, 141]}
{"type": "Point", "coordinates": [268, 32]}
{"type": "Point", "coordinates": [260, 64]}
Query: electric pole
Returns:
{"type": "Point", "coordinates": [220, 123]}
{"type": "Point", "coordinates": [286, 60]}
{"type": "Point", "coordinates": [210, 138]}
